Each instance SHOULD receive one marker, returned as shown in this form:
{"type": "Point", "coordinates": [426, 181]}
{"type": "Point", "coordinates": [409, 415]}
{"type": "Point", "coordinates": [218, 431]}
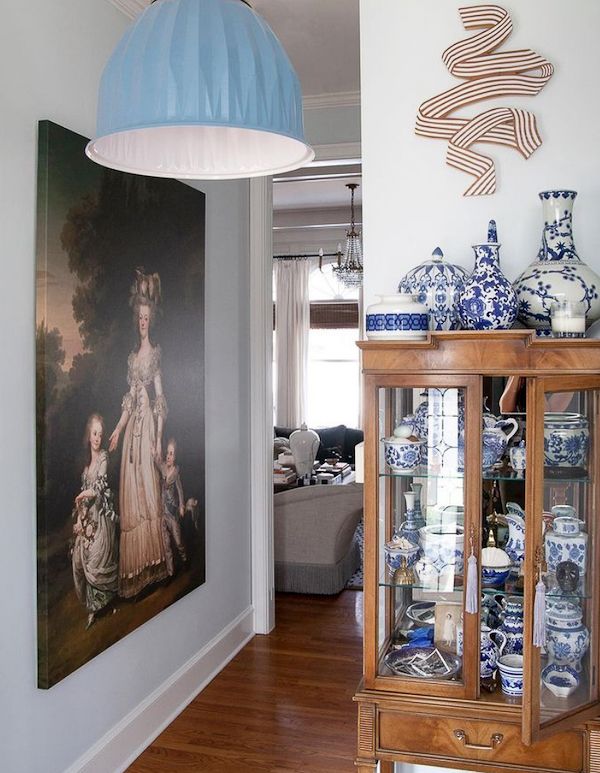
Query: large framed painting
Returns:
{"type": "Point", "coordinates": [120, 400]}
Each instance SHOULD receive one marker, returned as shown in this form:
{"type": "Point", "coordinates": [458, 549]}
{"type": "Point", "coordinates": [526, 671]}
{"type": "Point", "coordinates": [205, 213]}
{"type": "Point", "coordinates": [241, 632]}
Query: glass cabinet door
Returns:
{"type": "Point", "coordinates": [564, 555]}
{"type": "Point", "coordinates": [423, 534]}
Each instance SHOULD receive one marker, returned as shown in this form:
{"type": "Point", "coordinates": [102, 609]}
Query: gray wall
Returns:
{"type": "Point", "coordinates": [50, 60]}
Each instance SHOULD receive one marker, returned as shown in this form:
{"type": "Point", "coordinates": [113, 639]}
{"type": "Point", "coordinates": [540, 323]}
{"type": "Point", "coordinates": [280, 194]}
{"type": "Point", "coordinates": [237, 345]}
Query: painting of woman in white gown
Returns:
{"type": "Point", "coordinates": [119, 357]}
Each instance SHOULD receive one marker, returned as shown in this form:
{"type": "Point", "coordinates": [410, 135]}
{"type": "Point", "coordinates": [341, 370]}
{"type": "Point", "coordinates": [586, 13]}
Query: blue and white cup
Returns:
{"type": "Point", "coordinates": [510, 668]}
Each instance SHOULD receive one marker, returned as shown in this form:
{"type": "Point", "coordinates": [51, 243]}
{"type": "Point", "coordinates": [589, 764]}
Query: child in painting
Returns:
{"type": "Point", "coordinates": [173, 505]}
{"type": "Point", "coordinates": [95, 555]}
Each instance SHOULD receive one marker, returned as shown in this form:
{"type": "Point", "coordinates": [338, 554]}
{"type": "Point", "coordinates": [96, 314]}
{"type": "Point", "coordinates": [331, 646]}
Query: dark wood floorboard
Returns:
{"type": "Point", "coordinates": [283, 704]}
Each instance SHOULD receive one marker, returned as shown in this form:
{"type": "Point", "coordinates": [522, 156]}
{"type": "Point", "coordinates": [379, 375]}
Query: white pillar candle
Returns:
{"type": "Point", "coordinates": [568, 324]}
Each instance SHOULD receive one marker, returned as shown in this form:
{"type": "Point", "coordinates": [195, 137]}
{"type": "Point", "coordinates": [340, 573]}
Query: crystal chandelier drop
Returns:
{"type": "Point", "coordinates": [349, 271]}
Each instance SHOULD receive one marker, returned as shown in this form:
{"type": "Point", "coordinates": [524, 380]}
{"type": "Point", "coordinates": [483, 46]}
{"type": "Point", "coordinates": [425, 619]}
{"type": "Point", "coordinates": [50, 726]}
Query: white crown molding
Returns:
{"type": "Point", "coordinates": [130, 8]}
{"type": "Point", "coordinates": [341, 99]}
{"type": "Point", "coordinates": [346, 152]}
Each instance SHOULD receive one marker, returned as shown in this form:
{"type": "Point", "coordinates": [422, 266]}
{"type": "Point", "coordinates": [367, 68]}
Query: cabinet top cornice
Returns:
{"type": "Point", "coordinates": [503, 352]}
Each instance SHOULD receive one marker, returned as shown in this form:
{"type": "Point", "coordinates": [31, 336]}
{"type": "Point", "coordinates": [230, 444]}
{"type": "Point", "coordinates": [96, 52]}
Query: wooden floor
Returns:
{"type": "Point", "coordinates": [284, 703]}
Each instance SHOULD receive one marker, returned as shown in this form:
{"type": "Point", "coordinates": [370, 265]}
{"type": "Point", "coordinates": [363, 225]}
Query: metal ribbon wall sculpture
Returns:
{"type": "Point", "coordinates": [487, 75]}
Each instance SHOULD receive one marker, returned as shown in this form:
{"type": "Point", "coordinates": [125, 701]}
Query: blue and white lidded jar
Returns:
{"type": "Point", "coordinates": [436, 283]}
{"type": "Point", "coordinates": [488, 300]}
{"type": "Point", "coordinates": [567, 639]}
{"type": "Point", "coordinates": [565, 541]}
{"type": "Point", "coordinates": [397, 317]}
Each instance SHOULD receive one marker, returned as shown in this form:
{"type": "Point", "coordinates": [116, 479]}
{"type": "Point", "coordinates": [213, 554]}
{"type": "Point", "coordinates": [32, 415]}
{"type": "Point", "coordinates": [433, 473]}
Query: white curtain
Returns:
{"type": "Point", "coordinates": [292, 323]}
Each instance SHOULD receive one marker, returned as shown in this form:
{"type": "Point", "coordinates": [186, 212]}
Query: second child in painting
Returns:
{"type": "Point", "coordinates": [95, 555]}
{"type": "Point", "coordinates": [173, 507]}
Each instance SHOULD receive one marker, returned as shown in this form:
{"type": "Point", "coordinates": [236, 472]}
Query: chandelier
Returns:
{"type": "Point", "coordinates": [350, 271]}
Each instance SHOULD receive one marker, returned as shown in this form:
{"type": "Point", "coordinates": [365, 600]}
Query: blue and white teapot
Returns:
{"type": "Point", "coordinates": [495, 440]}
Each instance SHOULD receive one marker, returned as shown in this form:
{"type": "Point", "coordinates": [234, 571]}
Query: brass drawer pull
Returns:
{"type": "Point", "coordinates": [495, 740]}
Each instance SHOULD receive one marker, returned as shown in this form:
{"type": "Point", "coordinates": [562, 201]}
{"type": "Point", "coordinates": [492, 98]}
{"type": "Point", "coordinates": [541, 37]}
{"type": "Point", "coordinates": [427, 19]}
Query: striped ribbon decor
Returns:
{"type": "Point", "coordinates": [488, 74]}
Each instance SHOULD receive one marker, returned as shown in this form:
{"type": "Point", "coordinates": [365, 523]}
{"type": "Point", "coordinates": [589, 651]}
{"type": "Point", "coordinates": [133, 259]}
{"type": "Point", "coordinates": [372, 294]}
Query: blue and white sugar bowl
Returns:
{"type": "Point", "coordinates": [397, 317]}
{"type": "Point", "coordinates": [437, 283]}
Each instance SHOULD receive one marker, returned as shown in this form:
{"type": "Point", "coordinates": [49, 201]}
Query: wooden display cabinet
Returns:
{"type": "Point", "coordinates": [454, 383]}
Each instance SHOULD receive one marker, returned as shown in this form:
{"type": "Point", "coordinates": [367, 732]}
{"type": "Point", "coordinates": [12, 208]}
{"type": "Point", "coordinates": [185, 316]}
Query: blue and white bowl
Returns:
{"type": "Point", "coordinates": [566, 440]}
{"type": "Point", "coordinates": [396, 550]}
{"type": "Point", "coordinates": [494, 576]}
{"type": "Point", "coordinates": [560, 680]}
{"type": "Point", "coordinates": [402, 454]}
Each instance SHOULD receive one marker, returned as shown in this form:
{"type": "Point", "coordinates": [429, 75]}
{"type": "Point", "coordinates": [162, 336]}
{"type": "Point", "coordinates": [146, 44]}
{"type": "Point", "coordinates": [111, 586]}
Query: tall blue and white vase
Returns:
{"type": "Point", "coordinates": [437, 284]}
{"type": "Point", "coordinates": [488, 300]}
{"type": "Point", "coordinates": [557, 270]}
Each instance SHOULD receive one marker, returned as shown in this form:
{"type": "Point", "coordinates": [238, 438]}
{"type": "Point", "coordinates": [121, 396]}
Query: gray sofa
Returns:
{"type": "Point", "coordinates": [314, 526]}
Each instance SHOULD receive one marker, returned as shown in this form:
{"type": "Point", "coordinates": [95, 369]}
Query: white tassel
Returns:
{"type": "Point", "coordinates": [472, 599]}
{"type": "Point", "coordinates": [539, 614]}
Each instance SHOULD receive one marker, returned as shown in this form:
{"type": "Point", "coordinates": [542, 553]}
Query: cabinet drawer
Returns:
{"type": "Point", "coordinates": [429, 736]}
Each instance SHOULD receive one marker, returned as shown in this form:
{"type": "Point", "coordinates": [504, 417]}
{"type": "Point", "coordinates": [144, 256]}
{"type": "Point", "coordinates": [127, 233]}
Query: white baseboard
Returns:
{"type": "Point", "coordinates": [116, 750]}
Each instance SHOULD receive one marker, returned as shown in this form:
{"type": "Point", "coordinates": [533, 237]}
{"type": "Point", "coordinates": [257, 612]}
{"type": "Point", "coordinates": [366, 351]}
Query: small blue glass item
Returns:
{"type": "Point", "coordinates": [487, 300]}
{"type": "Point", "coordinates": [199, 89]}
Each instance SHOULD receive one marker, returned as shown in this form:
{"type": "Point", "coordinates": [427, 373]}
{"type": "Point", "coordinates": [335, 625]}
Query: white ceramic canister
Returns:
{"type": "Point", "coordinates": [397, 317]}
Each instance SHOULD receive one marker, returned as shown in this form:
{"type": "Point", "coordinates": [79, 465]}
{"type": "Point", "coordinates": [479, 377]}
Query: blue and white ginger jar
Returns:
{"type": "Point", "coordinates": [567, 639]}
{"type": "Point", "coordinates": [558, 269]}
{"type": "Point", "coordinates": [488, 300]}
{"type": "Point", "coordinates": [437, 284]}
{"type": "Point", "coordinates": [566, 542]}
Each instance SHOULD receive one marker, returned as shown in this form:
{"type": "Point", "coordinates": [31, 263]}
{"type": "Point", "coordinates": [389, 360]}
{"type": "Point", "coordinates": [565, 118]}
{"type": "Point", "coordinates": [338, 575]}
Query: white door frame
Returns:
{"type": "Point", "coordinates": [261, 402]}
{"type": "Point", "coordinates": [261, 386]}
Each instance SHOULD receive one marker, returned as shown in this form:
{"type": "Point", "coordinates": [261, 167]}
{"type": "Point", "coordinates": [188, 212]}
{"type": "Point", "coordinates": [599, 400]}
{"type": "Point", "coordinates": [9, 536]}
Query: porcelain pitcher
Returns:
{"type": "Point", "coordinates": [515, 518]}
{"type": "Point", "coordinates": [490, 651]}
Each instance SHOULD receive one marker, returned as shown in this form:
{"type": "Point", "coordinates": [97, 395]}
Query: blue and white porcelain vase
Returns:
{"type": "Point", "coordinates": [437, 284]}
{"type": "Point", "coordinates": [557, 270]}
{"type": "Point", "coordinates": [512, 626]}
{"type": "Point", "coordinates": [413, 519]}
{"type": "Point", "coordinates": [488, 300]}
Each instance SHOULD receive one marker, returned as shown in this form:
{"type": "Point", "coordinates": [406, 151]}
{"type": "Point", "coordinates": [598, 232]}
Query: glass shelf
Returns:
{"type": "Point", "coordinates": [562, 475]}
{"type": "Point", "coordinates": [446, 584]}
{"type": "Point", "coordinates": [552, 594]}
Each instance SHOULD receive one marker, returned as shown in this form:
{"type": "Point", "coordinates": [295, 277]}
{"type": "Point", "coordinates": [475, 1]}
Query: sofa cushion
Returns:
{"type": "Point", "coordinates": [352, 439]}
{"type": "Point", "coordinates": [332, 442]}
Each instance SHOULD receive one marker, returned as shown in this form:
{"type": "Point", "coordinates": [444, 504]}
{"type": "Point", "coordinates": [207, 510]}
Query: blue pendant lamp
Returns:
{"type": "Point", "coordinates": [200, 89]}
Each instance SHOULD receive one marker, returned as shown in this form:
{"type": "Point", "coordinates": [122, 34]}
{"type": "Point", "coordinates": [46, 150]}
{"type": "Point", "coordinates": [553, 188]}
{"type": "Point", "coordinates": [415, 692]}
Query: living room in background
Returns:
{"type": "Point", "coordinates": [311, 224]}
{"type": "Point", "coordinates": [329, 375]}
